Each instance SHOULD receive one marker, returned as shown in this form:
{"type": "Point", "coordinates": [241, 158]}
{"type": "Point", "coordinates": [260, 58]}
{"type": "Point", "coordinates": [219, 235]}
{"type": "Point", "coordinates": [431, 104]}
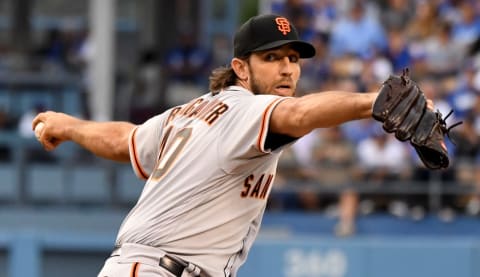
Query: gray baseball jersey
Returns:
{"type": "Point", "coordinates": [208, 179]}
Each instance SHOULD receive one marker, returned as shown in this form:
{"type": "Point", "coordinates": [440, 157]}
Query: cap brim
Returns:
{"type": "Point", "coordinates": [305, 49]}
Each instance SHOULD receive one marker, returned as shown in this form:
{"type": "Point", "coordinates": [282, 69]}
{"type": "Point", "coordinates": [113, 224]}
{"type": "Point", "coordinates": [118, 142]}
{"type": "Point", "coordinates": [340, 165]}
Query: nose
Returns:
{"type": "Point", "coordinates": [286, 67]}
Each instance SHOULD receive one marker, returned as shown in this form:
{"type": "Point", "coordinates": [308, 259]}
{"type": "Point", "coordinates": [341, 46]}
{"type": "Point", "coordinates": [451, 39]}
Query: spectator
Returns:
{"type": "Point", "coordinates": [187, 66]}
{"type": "Point", "coordinates": [187, 62]}
{"type": "Point", "coordinates": [6, 124]}
{"type": "Point", "coordinates": [396, 14]}
{"type": "Point", "coordinates": [33, 152]}
{"type": "Point", "coordinates": [301, 14]}
{"type": "Point", "coordinates": [376, 70]}
{"type": "Point", "coordinates": [448, 10]}
{"type": "Point", "coordinates": [419, 203]}
{"type": "Point", "coordinates": [398, 51]}
{"type": "Point", "coordinates": [334, 161]}
{"type": "Point", "coordinates": [145, 88]}
{"type": "Point", "coordinates": [296, 165]}
{"type": "Point", "coordinates": [436, 91]}
{"type": "Point", "coordinates": [468, 141]}
{"type": "Point", "coordinates": [467, 158]}
{"type": "Point", "coordinates": [325, 16]}
{"type": "Point", "coordinates": [443, 55]}
{"type": "Point", "coordinates": [357, 34]}
{"type": "Point", "coordinates": [316, 72]}
{"type": "Point", "coordinates": [60, 50]}
{"type": "Point", "coordinates": [463, 97]}
{"type": "Point", "coordinates": [421, 28]}
{"type": "Point", "coordinates": [382, 159]}
{"type": "Point", "coordinates": [356, 131]}
{"type": "Point", "coordinates": [222, 50]}
{"type": "Point", "coordinates": [424, 21]}
{"type": "Point", "coordinates": [54, 49]}
{"type": "Point", "coordinates": [467, 29]}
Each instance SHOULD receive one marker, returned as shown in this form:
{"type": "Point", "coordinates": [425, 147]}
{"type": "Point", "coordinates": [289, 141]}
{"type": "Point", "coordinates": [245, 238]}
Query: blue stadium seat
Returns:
{"type": "Point", "coordinates": [129, 186]}
{"type": "Point", "coordinates": [72, 101]}
{"type": "Point", "coordinates": [88, 184]}
{"type": "Point", "coordinates": [8, 182]}
{"type": "Point", "coordinates": [28, 100]}
{"type": "Point", "coordinates": [5, 101]}
{"type": "Point", "coordinates": [45, 183]}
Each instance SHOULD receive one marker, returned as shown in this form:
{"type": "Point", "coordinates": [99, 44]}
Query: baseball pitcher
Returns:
{"type": "Point", "coordinates": [209, 165]}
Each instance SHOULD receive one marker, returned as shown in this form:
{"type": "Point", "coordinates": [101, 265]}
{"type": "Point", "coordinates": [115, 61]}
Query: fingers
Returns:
{"type": "Point", "coordinates": [430, 105]}
{"type": "Point", "coordinates": [45, 138]}
{"type": "Point", "coordinates": [49, 144]}
{"type": "Point", "coordinates": [37, 120]}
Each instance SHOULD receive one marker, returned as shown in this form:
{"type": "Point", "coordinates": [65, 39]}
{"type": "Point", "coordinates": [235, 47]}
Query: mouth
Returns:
{"type": "Point", "coordinates": [284, 89]}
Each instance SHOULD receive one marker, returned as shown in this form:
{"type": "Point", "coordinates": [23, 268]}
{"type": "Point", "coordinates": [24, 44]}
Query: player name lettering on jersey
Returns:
{"type": "Point", "coordinates": [256, 187]}
{"type": "Point", "coordinates": [208, 111]}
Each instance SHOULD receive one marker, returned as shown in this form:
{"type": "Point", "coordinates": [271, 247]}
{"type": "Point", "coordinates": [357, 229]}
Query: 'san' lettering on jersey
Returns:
{"type": "Point", "coordinates": [256, 188]}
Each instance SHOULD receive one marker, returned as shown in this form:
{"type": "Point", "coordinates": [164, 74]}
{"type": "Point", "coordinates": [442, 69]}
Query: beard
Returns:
{"type": "Point", "coordinates": [255, 84]}
{"type": "Point", "coordinates": [259, 87]}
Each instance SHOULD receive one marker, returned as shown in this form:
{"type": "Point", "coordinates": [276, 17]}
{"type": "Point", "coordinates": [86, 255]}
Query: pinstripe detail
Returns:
{"type": "Point", "coordinates": [134, 270]}
{"type": "Point", "coordinates": [135, 161]}
{"type": "Point", "coordinates": [266, 115]}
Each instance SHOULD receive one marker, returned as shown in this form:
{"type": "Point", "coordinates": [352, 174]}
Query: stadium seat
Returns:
{"type": "Point", "coordinates": [88, 184]}
{"type": "Point", "coordinates": [45, 183]}
{"type": "Point", "coordinates": [129, 186]}
{"type": "Point", "coordinates": [8, 182]}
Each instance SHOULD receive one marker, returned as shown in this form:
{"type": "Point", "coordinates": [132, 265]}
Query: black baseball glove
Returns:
{"type": "Point", "coordinates": [402, 108]}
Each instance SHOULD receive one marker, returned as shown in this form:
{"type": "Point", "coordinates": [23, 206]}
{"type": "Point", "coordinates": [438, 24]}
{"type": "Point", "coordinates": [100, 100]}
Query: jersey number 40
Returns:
{"type": "Point", "coordinates": [170, 148]}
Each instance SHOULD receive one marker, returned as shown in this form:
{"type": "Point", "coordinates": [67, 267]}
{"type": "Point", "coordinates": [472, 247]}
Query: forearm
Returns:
{"type": "Point", "coordinates": [331, 108]}
{"type": "Point", "coordinates": [298, 116]}
{"type": "Point", "coordinates": [108, 140]}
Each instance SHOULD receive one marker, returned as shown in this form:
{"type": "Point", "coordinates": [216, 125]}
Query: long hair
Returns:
{"type": "Point", "coordinates": [221, 78]}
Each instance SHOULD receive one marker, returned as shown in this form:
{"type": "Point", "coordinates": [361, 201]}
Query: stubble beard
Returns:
{"type": "Point", "coordinates": [254, 86]}
{"type": "Point", "coordinates": [257, 87]}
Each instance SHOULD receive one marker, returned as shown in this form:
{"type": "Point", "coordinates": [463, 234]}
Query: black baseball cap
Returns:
{"type": "Point", "coordinates": [268, 31]}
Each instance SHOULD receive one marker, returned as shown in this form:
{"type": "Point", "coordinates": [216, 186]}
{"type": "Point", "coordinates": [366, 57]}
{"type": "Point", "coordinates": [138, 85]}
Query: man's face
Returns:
{"type": "Point", "coordinates": [275, 71]}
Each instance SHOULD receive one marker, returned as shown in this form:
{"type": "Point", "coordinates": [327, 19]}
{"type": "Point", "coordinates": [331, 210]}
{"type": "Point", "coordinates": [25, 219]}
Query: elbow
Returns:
{"type": "Point", "coordinates": [299, 121]}
{"type": "Point", "coordinates": [120, 148]}
{"type": "Point", "coordinates": [121, 154]}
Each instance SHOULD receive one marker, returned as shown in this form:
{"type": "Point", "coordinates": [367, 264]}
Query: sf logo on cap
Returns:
{"type": "Point", "coordinates": [283, 25]}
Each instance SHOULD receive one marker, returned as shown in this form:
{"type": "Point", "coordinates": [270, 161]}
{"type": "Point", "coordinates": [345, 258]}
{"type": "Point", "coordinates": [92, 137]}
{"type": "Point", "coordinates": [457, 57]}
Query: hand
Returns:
{"type": "Point", "coordinates": [54, 129]}
{"type": "Point", "coordinates": [430, 105]}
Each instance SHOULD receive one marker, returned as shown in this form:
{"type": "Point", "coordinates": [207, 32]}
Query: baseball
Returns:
{"type": "Point", "coordinates": [38, 129]}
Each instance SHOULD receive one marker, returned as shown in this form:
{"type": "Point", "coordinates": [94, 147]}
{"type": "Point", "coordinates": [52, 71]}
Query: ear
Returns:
{"type": "Point", "coordinates": [239, 66]}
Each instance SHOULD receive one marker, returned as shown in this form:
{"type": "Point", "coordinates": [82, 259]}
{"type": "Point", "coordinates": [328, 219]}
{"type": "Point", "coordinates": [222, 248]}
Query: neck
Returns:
{"type": "Point", "coordinates": [244, 84]}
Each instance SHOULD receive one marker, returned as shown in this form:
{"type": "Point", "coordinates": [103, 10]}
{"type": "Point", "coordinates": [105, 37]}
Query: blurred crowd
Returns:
{"type": "Point", "coordinates": [359, 43]}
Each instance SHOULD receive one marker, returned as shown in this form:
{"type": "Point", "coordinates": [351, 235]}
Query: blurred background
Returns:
{"type": "Point", "coordinates": [349, 201]}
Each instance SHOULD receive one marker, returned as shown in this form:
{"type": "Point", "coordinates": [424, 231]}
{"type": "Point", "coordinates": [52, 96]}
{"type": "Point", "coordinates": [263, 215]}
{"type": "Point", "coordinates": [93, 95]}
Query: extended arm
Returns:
{"type": "Point", "coordinates": [298, 116]}
{"type": "Point", "coordinates": [108, 140]}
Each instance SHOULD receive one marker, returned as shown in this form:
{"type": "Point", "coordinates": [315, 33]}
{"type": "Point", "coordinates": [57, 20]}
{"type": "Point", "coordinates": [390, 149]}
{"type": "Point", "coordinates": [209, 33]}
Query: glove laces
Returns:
{"type": "Point", "coordinates": [443, 124]}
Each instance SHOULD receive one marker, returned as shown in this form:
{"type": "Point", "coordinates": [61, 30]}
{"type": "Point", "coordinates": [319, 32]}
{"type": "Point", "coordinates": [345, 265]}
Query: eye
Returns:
{"type": "Point", "coordinates": [293, 58]}
{"type": "Point", "coordinates": [270, 57]}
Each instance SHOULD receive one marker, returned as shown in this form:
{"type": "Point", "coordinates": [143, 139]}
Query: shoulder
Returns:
{"type": "Point", "coordinates": [242, 94]}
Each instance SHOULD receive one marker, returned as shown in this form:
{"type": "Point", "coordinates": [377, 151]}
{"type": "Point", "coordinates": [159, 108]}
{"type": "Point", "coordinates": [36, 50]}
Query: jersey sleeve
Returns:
{"type": "Point", "coordinates": [245, 135]}
{"type": "Point", "coordinates": [144, 144]}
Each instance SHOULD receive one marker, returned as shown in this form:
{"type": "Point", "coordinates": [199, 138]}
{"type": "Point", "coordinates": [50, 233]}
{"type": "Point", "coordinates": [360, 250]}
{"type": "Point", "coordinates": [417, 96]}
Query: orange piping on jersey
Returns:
{"type": "Point", "coordinates": [135, 269]}
{"type": "Point", "coordinates": [264, 123]}
{"type": "Point", "coordinates": [136, 164]}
